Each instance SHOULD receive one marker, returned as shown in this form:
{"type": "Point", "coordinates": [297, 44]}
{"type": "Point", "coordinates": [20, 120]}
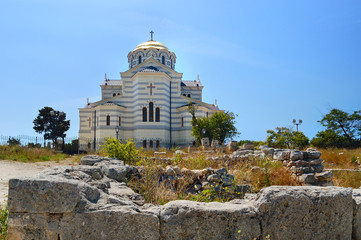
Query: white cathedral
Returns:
{"type": "Point", "coordinates": [149, 104]}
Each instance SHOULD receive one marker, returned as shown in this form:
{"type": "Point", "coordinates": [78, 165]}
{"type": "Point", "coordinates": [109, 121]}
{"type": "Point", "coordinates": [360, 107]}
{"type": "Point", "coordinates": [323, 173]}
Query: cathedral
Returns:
{"type": "Point", "coordinates": [149, 103]}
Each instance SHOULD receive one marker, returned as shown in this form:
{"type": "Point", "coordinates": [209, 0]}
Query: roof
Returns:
{"type": "Point", "coordinates": [194, 83]}
{"type": "Point", "coordinates": [108, 82]}
{"type": "Point", "coordinates": [150, 69]}
{"type": "Point", "coordinates": [151, 44]}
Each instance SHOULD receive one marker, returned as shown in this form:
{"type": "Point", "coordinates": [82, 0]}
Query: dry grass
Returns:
{"type": "Point", "coordinates": [347, 179]}
{"type": "Point", "coordinates": [26, 154]}
{"type": "Point", "coordinates": [341, 158]}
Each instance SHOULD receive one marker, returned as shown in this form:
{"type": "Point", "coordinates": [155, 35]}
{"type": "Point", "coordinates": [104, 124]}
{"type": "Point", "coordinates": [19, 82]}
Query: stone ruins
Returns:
{"type": "Point", "coordinates": [92, 201]}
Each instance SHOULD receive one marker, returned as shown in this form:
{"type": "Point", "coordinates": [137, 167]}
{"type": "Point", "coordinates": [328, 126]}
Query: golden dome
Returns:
{"type": "Point", "coordinates": [151, 44]}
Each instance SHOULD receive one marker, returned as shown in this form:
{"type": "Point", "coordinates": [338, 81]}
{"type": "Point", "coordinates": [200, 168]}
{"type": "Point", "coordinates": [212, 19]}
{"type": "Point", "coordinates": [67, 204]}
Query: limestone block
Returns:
{"type": "Point", "coordinates": [356, 223]}
{"type": "Point", "coordinates": [221, 171]}
{"type": "Point", "coordinates": [214, 178]}
{"type": "Point", "coordinates": [296, 155]}
{"type": "Point", "coordinates": [305, 212]}
{"type": "Point", "coordinates": [313, 153]}
{"type": "Point", "coordinates": [308, 178]}
{"type": "Point", "coordinates": [50, 195]}
{"type": "Point", "coordinates": [324, 176]}
{"type": "Point", "coordinates": [90, 160]}
{"type": "Point", "coordinates": [282, 155]}
{"type": "Point", "coordinates": [116, 172]}
{"type": "Point", "coordinates": [117, 223]}
{"type": "Point", "coordinates": [205, 142]}
{"type": "Point", "coordinates": [209, 221]}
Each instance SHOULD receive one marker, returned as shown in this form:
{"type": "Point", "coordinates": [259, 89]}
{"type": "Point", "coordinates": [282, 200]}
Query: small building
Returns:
{"type": "Point", "coordinates": [149, 103]}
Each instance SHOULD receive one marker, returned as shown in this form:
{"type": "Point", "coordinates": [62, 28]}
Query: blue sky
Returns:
{"type": "Point", "coordinates": [267, 61]}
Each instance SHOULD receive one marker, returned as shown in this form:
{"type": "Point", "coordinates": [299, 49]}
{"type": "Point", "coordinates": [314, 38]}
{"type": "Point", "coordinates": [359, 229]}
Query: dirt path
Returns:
{"type": "Point", "coordinates": [12, 169]}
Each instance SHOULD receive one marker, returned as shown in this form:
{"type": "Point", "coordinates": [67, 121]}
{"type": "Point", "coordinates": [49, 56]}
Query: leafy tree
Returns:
{"type": "Point", "coordinates": [192, 109]}
{"type": "Point", "coordinates": [13, 141]}
{"type": "Point", "coordinates": [219, 126]}
{"type": "Point", "coordinates": [52, 123]}
{"type": "Point", "coordinates": [342, 129]}
{"type": "Point", "coordinates": [284, 137]}
{"type": "Point", "coordinates": [329, 138]}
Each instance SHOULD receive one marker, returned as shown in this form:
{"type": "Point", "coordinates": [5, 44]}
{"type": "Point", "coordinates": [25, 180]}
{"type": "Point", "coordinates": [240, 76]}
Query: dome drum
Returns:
{"type": "Point", "coordinates": [152, 49]}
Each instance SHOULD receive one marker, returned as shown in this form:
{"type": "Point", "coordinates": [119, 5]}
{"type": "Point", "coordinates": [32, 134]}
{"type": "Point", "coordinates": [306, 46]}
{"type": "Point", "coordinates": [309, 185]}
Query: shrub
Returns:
{"type": "Point", "coordinates": [13, 141]}
{"type": "Point", "coordinates": [3, 222]}
{"type": "Point", "coordinates": [115, 149]}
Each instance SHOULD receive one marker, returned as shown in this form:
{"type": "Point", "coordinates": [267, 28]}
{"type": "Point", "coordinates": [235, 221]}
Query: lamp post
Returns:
{"type": "Point", "coordinates": [45, 127]}
{"type": "Point", "coordinates": [117, 131]}
{"type": "Point", "coordinates": [295, 123]}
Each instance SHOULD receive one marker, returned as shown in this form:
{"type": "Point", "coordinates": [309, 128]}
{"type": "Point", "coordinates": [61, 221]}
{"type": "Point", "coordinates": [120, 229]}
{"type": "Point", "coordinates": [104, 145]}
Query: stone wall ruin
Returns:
{"type": "Point", "coordinates": [93, 202]}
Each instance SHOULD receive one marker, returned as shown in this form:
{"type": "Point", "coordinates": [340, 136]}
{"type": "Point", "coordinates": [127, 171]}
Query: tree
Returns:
{"type": "Point", "coordinates": [219, 126]}
{"type": "Point", "coordinates": [344, 128]}
{"type": "Point", "coordinates": [192, 109]}
{"type": "Point", "coordinates": [329, 138]}
{"type": "Point", "coordinates": [284, 137]}
{"type": "Point", "coordinates": [13, 141]}
{"type": "Point", "coordinates": [52, 123]}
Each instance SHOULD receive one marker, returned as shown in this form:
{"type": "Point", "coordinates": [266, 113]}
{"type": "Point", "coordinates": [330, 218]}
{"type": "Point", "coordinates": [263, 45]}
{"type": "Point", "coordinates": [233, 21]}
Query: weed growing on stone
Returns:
{"type": "Point", "coordinates": [3, 222]}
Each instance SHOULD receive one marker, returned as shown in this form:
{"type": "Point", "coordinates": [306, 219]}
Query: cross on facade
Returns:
{"type": "Point", "coordinates": [151, 35]}
{"type": "Point", "coordinates": [151, 88]}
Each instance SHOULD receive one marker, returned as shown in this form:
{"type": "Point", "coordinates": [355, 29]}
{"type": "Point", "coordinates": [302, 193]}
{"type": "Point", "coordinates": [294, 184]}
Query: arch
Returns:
{"type": "Point", "coordinates": [151, 112]}
{"type": "Point", "coordinates": [163, 60]}
{"type": "Point", "coordinates": [108, 120]}
{"type": "Point", "coordinates": [139, 59]}
{"type": "Point", "coordinates": [189, 95]}
{"type": "Point", "coordinates": [157, 144]}
{"type": "Point", "coordinates": [157, 114]}
{"type": "Point", "coordinates": [114, 94]}
{"type": "Point", "coordinates": [120, 121]}
{"type": "Point", "coordinates": [151, 143]}
{"type": "Point", "coordinates": [171, 63]}
{"type": "Point", "coordinates": [182, 121]}
{"type": "Point", "coordinates": [144, 143]}
{"type": "Point", "coordinates": [144, 114]}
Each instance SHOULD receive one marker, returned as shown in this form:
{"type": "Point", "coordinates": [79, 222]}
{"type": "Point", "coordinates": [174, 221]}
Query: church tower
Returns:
{"type": "Point", "coordinates": [148, 104]}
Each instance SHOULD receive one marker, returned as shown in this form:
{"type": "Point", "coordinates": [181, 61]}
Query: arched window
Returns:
{"type": "Point", "coordinates": [139, 59]}
{"type": "Point", "coordinates": [157, 144]}
{"type": "Point", "coordinates": [120, 121]}
{"type": "Point", "coordinates": [182, 121]}
{"type": "Point", "coordinates": [207, 114]}
{"type": "Point", "coordinates": [151, 143]}
{"type": "Point", "coordinates": [163, 60]}
{"type": "Point", "coordinates": [144, 143]}
{"type": "Point", "coordinates": [108, 120]}
{"type": "Point", "coordinates": [171, 63]}
{"type": "Point", "coordinates": [189, 95]}
{"type": "Point", "coordinates": [144, 114]}
{"type": "Point", "coordinates": [151, 112]}
{"type": "Point", "coordinates": [157, 114]}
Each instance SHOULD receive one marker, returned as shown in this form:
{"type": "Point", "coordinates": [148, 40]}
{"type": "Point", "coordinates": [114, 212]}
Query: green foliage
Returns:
{"type": "Point", "coordinates": [342, 130]}
{"type": "Point", "coordinates": [13, 141]}
{"type": "Point", "coordinates": [284, 137]}
{"type": "Point", "coordinates": [26, 154]}
{"type": "Point", "coordinates": [4, 213]}
{"type": "Point", "coordinates": [257, 144]}
{"type": "Point", "coordinates": [52, 123]}
{"type": "Point", "coordinates": [71, 148]}
{"type": "Point", "coordinates": [115, 149]}
{"type": "Point", "coordinates": [219, 126]}
{"type": "Point", "coordinates": [329, 138]}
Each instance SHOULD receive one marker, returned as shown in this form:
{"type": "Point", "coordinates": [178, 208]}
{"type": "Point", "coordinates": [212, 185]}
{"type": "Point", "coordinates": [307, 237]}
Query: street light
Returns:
{"type": "Point", "coordinates": [45, 127]}
{"type": "Point", "coordinates": [117, 131]}
{"type": "Point", "coordinates": [295, 123]}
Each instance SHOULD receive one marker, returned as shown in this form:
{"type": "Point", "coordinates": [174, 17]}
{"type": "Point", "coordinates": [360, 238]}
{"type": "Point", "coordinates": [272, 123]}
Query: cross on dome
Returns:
{"type": "Point", "coordinates": [151, 35]}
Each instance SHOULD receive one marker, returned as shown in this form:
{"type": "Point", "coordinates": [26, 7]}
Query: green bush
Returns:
{"type": "Point", "coordinates": [115, 149]}
{"type": "Point", "coordinates": [3, 222]}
